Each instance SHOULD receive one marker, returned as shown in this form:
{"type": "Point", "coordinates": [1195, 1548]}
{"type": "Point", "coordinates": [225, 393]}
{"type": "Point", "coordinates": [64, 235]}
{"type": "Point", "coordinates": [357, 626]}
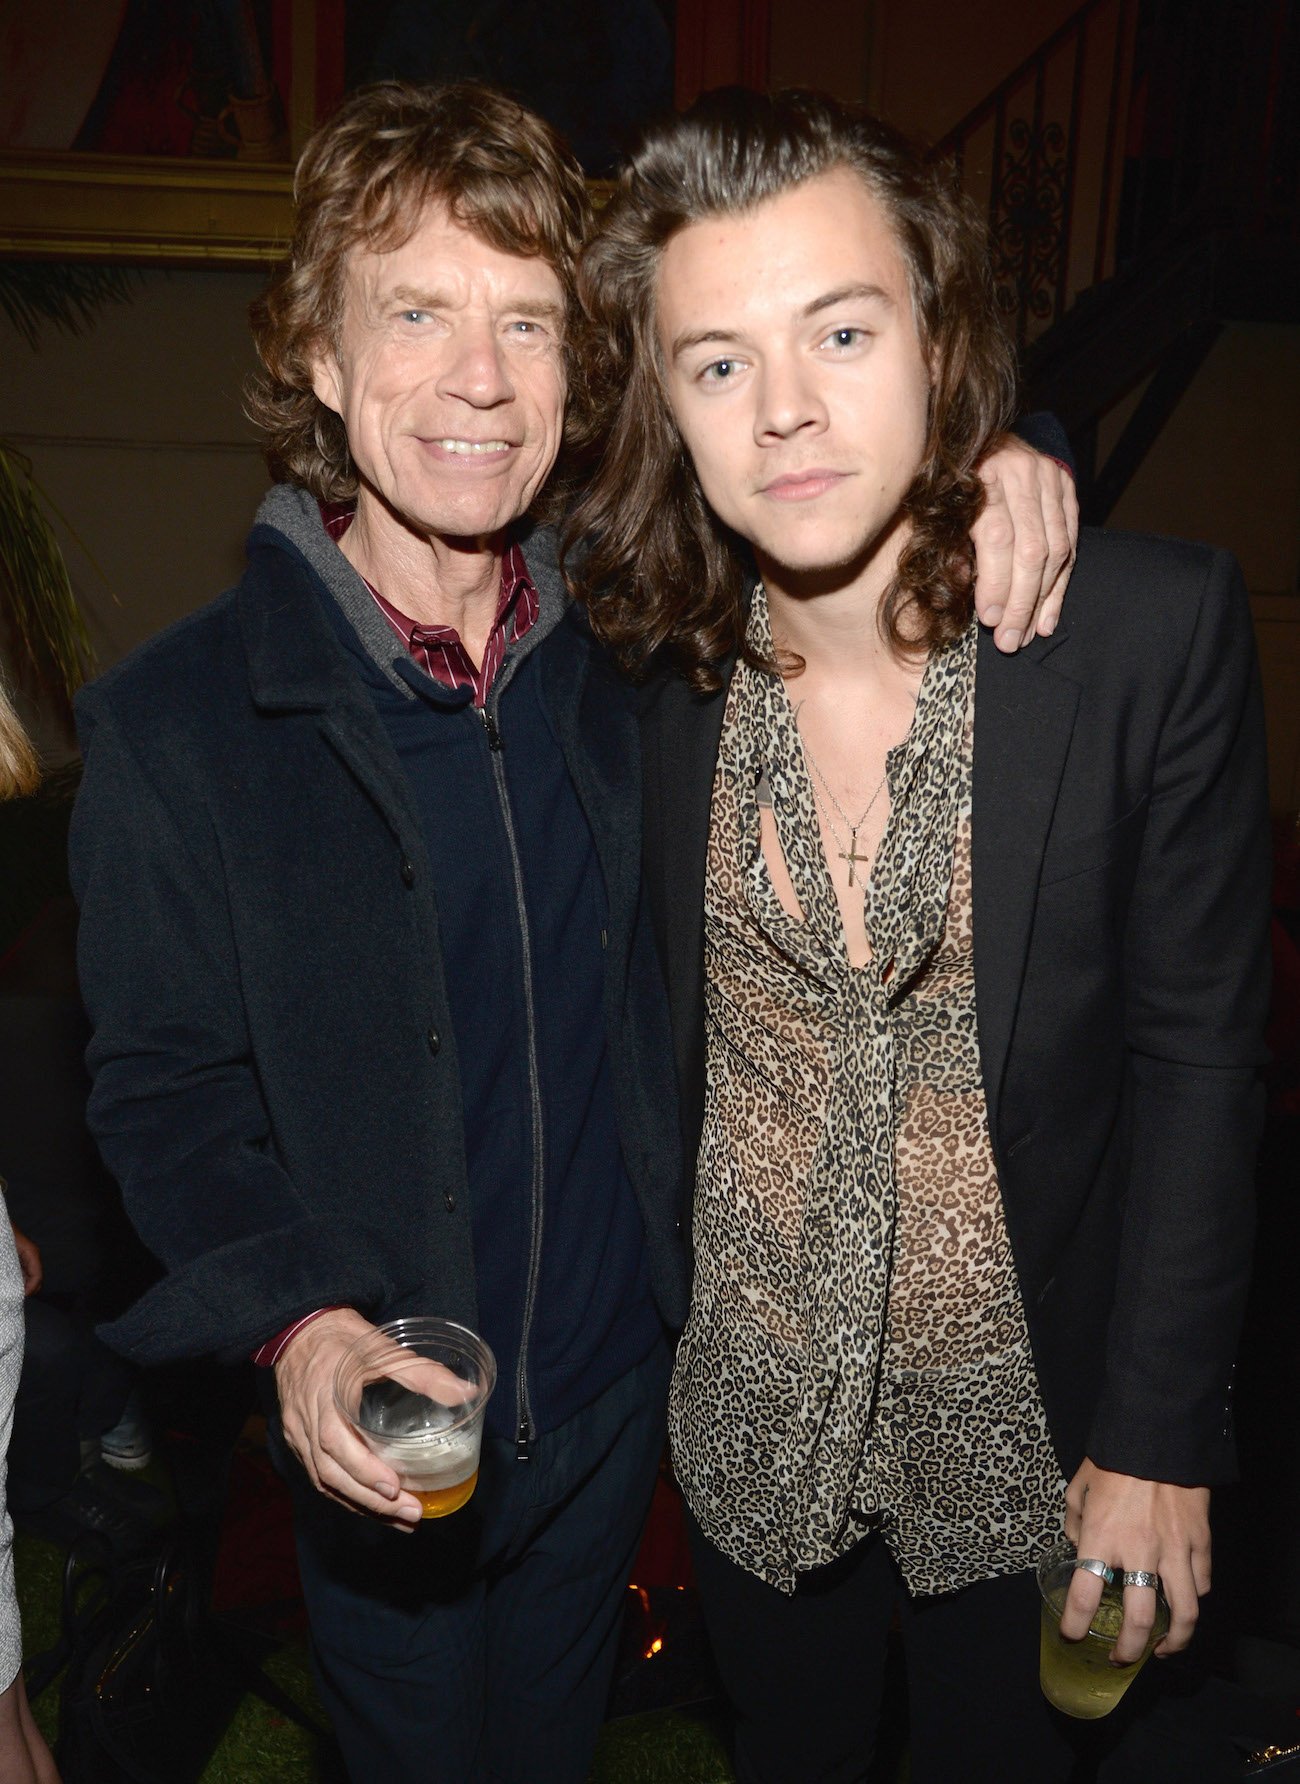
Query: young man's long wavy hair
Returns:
{"type": "Point", "coordinates": [659, 572]}
{"type": "Point", "coordinates": [365, 180]}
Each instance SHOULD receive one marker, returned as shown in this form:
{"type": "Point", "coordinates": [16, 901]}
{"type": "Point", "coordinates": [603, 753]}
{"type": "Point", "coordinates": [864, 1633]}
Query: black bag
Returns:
{"type": "Point", "coordinates": [145, 1696]}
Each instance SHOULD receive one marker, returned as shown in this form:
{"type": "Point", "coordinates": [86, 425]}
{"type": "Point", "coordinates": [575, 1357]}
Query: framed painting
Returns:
{"type": "Point", "coordinates": [164, 131]}
{"type": "Point", "coordinates": [155, 130]}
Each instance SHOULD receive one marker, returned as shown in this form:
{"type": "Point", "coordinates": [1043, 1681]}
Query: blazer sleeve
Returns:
{"type": "Point", "coordinates": [1196, 994]}
{"type": "Point", "coordinates": [175, 1104]}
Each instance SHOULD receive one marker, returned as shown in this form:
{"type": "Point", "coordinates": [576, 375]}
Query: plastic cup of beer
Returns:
{"type": "Point", "coordinates": [1080, 1678]}
{"type": "Point", "coordinates": [414, 1391]}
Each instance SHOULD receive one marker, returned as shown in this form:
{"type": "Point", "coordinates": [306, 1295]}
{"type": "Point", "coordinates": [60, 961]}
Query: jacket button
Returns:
{"type": "Point", "coordinates": [408, 874]}
{"type": "Point", "coordinates": [434, 1040]}
{"type": "Point", "coordinates": [450, 1200]}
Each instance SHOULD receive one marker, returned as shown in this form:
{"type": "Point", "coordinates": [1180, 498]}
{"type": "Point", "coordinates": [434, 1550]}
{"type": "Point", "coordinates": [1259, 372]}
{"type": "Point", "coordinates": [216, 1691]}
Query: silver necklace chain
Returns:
{"type": "Point", "coordinates": [849, 854]}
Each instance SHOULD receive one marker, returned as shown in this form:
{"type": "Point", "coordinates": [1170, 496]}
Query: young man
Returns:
{"type": "Point", "coordinates": [966, 955]}
{"type": "Point", "coordinates": [378, 1023]}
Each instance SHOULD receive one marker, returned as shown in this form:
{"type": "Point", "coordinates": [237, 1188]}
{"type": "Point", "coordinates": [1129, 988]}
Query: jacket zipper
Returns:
{"type": "Point", "coordinates": [524, 1413]}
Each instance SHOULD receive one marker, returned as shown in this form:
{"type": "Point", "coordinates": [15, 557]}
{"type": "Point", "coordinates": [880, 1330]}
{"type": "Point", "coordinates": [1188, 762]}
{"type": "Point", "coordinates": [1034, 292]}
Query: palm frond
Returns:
{"type": "Point", "coordinates": [68, 294]}
{"type": "Point", "coordinates": [49, 631]}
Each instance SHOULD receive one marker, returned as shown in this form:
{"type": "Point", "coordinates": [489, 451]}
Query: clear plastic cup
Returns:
{"type": "Point", "coordinates": [414, 1391]}
{"type": "Point", "coordinates": [1080, 1678]}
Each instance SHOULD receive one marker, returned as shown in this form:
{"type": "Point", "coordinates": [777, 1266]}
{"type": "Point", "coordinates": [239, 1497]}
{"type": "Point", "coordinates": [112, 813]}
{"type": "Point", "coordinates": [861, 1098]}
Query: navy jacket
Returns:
{"type": "Point", "coordinates": [276, 1084]}
{"type": "Point", "coordinates": [1120, 888]}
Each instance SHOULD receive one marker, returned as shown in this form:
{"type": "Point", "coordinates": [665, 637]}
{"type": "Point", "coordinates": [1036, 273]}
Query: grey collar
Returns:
{"type": "Point", "coordinates": [295, 514]}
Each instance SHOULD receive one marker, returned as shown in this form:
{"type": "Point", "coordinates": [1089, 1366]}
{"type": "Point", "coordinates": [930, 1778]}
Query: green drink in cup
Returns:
{"type": "Point", "coordinates": [1079, 1678]}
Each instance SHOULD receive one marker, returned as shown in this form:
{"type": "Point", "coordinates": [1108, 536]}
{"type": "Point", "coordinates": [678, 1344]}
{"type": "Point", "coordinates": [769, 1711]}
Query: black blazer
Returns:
{"type": "Point", "coordinates": [1120, 866]}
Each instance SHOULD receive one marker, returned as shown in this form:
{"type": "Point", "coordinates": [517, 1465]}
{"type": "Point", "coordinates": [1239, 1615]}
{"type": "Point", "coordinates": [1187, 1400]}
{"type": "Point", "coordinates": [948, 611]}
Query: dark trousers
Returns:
{"type": "Point", "coordinates": [480, 1649]}
{"type": "Point", "coordinates": [72, 1386]}
{"type": "Point", "coordinates": [804, 1673]}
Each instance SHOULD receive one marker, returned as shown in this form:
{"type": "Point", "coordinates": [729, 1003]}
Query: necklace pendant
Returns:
{"type": "Point", "coordinates": [852, 856]}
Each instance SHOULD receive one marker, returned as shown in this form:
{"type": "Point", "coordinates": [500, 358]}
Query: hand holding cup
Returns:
{"type": "Point", "coordinates": [335, 1459]}
{"type": "Point", "coordinates": [414, 1392]}
{"type": "Point", "coordinates": [1084, 1676]}
{"type": "Point", "coordinates": [1138, 1526]}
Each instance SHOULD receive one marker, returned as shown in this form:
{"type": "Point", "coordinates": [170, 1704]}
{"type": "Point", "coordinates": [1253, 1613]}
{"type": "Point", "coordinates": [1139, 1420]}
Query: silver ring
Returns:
{"type": "Point", "coordinates": [1140, 1577]}
{"type": "Point", "coordinates": [1098, 1567]}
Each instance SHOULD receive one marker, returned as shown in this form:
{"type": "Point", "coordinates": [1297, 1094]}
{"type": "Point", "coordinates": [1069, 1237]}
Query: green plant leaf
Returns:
{"type": "Point", "coordinates": [48, 628]}
{"type": "Point", "coordinates": [68, 294]}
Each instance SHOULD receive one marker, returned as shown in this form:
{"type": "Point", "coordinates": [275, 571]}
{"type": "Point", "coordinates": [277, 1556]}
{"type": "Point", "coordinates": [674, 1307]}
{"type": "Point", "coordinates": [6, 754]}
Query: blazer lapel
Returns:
{"type": "Point", "coordinates": [593, 711]}
{"type": "Point", "coordinates": [296, 665]}
{"type": "Point", "coordinates": [1024, 718]}
{"type": "Point", "coordinates": [680, 734]}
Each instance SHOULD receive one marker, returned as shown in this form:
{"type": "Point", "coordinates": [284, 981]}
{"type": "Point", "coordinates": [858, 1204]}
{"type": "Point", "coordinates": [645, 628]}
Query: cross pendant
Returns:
{"type": "Point", "coordinates": [851, 856]}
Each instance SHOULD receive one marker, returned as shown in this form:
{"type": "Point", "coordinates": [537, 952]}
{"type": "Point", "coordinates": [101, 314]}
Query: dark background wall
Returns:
{"type": "Point", "coordinates": [137, 434]}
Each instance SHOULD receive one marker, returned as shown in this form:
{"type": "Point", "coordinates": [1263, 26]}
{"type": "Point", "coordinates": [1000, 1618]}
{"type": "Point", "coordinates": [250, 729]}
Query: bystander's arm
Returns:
{"type": "Point", "coordinates": [24, 1756]}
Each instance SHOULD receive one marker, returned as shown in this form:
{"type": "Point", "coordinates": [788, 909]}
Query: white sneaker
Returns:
{"type": "Point", "coordinates": [129, 1445]}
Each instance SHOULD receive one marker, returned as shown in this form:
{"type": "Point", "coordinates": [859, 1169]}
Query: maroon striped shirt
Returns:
{"type": "Point", "coordinates": [438, 649]}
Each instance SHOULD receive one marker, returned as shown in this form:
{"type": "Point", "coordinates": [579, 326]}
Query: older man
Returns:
{"type": "Point", "coordinates": [379, 1026]}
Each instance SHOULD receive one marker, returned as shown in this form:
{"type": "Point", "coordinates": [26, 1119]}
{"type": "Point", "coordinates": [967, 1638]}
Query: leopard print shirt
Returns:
{"type": "Point", "coordinates": [856, 1355]}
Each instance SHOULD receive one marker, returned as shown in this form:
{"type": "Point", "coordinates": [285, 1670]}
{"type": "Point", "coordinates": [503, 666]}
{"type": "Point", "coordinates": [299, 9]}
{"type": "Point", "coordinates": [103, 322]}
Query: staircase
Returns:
{"type": "Point", "coordinates": [1140, 173]}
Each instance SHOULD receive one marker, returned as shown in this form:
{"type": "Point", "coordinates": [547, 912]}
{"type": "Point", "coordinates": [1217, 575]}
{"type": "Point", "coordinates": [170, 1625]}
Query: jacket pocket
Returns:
{"type": "Point", "coordinates": [1067, 856]}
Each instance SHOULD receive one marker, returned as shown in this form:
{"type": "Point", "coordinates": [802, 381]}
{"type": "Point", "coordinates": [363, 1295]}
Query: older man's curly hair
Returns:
{"type": "Point", "coordinates": [365, 179]}
{"type": "Point", "coordinates": [658, 570]}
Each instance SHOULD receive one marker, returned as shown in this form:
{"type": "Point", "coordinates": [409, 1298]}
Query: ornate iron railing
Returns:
{"type": "Point", "coordinates": [1133, 120]}
{"type": "Point", "coordinates": [1041, 152]}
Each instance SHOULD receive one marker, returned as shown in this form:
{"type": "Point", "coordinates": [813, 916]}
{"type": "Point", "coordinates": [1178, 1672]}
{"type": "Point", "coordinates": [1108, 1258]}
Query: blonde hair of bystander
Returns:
{"type": "Point", "coordinates": [19, 767]}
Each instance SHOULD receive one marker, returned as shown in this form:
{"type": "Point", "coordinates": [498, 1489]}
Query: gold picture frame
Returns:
{"type": "Point", "coordinates": [158, 210]}
{"type": "Point", "coordinates": [142, 209]}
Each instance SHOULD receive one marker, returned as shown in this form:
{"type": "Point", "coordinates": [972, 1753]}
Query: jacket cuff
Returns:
{"type": "Point", "coordinates": [225, 1302]}
{"type": "Point", "coordinates": [270, 1352]}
